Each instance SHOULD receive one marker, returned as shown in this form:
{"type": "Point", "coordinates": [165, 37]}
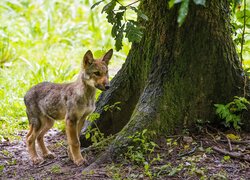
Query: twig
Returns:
{"type": "Point", "coordinates": [46, 164]}
{"type": "Point", "coordinates": [132, 3]}
{"type": "Point", "coordinates": [188, 153]}
{"type": "Point", "coordinates": [229, 144]}
{"type": "Point", "coordinates": [119, 3]}
{"type": "Point", "coordinates": [237, 155]}
{"type": "Point", "coordinates": [210, 135]}
{"type": "Point", "coordinates": [128, 4]}
{"type": "Point", "coordinates": [236, 142]}
{"type": "Point", "coordinates": [228, 140]}
{"type": "Point", "coordinates": [174, 136]}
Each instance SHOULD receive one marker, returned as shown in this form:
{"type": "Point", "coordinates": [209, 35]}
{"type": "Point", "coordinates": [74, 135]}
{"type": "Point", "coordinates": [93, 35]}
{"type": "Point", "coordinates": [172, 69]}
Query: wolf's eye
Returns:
{"type": "Point", "coordinates": [97, 73]}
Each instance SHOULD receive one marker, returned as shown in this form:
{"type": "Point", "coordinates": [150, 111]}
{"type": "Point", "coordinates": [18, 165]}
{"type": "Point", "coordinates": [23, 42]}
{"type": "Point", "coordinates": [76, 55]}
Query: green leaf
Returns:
{"type": "Point", "coordinates": [1, 168]}
{"type": "Point", "coordinates": [109, 7]}
{"type": "Point", "coordinates": [119, 38]}
{"type": "Point", "coordinates": [200, 2]}
{"type": "Point", "coordinates": [183, 11]}
{"type": "Point", "coordinates": [139, 13]}
{"type": "Point", "coordinates": [96, 4]}
{"type": "Point", "coordinates": [87, 135]}
{"type": "Point", "coordinates": [114, 31]}
{"type": "Point", "coordinates": [143, 16]}
{"type": "Point", "coordinates": [133, 32]}
{"type": "Point", "coordinates": [171, 3]}
{"type": "Point", "coordinates": [226, 158]}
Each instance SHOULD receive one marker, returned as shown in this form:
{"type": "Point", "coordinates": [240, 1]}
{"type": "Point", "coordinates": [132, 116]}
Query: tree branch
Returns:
{"type": "Point", "coordinates": [132, 3]}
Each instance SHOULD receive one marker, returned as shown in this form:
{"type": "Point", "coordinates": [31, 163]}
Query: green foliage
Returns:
{"type": "Point", "coordinates": [184, 6]}
{"type": "Point", "coordinates": [45, 41]}
{"type": "Point", "coordinates": [7, 53]}
{"type": "Point", "coordinates": [56, 169]}
{"type": "Point", "coordinates": [94, 133]}
{"type": "Point", "coordinates": [140, 150]}
{"type": "Point", "coordinates": [183, 11]}
{"type": "Point", "coordinates": [226, 158]}
{"type": "Point", "coordinates": [231, 112]}
{"type": "Point", "coordinates": [240, 20]}
{"type": "Point", "coordinates": [123, 23]}
{"type": "Point", "coordinates": [235, 3]}
{"type": "Point", "coordinates": [1, 168]}
{"type": "Point", "coordinates": [112, 107]}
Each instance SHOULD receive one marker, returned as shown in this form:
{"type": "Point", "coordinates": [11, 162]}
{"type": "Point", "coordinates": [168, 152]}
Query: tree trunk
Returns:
{"type": "Point", "coordinates": [175, 75]}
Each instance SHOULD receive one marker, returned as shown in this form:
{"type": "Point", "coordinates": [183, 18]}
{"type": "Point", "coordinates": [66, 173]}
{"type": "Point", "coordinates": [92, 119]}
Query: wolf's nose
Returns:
{"type": "Point", "coordinates": [107, 87]}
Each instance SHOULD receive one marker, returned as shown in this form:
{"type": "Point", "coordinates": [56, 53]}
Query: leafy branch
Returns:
{"type": "Point", "coordinates": [116, 15]}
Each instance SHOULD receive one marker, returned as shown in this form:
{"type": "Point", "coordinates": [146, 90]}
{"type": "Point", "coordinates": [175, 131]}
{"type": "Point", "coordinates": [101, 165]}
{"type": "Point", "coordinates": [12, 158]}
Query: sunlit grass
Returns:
{"type": "Point", "coordinates": [45, 41]}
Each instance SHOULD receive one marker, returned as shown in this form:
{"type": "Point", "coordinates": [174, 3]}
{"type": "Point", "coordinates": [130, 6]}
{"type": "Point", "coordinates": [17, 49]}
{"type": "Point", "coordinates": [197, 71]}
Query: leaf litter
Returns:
{"type": "Point", "coordinates": [180, 157]}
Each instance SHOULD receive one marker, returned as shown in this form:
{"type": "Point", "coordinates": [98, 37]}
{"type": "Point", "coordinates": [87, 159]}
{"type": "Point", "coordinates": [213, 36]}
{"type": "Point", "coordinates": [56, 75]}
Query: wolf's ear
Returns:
{"type": "Point", "coordinates": [88, 58]}
{"type": "Point", "coordinates": [107, 56]}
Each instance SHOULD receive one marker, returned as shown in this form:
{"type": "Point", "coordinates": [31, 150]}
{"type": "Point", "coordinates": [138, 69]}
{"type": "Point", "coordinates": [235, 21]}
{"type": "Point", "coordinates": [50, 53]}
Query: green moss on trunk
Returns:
{"type": "Point", "coordinates": [173, 77]}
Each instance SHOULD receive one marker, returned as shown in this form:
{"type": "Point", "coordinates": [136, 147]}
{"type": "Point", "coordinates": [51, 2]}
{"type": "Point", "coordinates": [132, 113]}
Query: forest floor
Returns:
{"type": "Point", "coordinates": [202, 156]}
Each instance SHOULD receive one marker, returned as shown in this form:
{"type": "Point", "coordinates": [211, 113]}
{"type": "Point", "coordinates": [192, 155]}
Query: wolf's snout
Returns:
{"type": "Point", "coordinates": [107, 87]}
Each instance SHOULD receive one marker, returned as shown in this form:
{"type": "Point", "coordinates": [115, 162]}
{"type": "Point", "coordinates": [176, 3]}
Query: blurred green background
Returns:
{"type": "Point", "coordinates": [45, 40]}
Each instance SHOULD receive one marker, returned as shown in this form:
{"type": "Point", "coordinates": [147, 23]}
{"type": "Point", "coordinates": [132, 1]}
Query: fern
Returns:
{"type": "Point", "coordinates": [231, 112]}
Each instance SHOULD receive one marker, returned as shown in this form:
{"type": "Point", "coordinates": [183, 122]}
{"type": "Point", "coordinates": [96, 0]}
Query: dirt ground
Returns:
{"type": "Point", "coordinates": [188, 157]}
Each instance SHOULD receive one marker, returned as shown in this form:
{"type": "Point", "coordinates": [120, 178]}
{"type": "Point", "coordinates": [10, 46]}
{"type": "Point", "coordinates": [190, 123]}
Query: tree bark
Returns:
{"type": "Point", "coordinates": [175, 75]}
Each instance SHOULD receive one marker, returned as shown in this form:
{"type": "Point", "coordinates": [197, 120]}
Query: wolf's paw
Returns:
{"type": "Point", "coordinates": [80, 162]}
{"type": "Point", "coordinates": [37, 160]}
{"type": "Point", "coordinates": [49, 155]}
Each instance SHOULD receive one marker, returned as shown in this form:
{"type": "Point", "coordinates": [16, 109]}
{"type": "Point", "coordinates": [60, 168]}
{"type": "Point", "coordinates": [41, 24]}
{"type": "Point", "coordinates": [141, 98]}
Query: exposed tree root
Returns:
{"type": "Point", "coordinates": [103, 158]}
{"type": "Point", "coordinates": [238, 155]}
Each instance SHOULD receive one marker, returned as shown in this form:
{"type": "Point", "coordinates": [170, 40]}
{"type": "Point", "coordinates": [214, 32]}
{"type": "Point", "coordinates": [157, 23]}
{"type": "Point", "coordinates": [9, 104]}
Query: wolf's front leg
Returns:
{"type": "Point", "coordinates": [80, 125]}
{"type": "Point", "coordinates": [73, 141]}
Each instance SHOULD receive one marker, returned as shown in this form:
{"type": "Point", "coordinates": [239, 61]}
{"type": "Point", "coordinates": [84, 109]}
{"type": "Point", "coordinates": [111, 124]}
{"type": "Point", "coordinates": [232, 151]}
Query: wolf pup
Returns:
{"type": "Point", "coordinates": [47, 102]}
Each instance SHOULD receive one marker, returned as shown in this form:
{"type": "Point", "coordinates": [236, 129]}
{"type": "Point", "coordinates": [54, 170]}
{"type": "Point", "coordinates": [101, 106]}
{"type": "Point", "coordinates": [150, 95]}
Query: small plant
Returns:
{"type": "Point", "coordinates": [1, 168]}
{"type": "Point", "coordinates": [112, 107]}
{"type": "Point", "coordinates": [226, 158]}
{"type": "Point", "coordinates": [55, 169]}
{"type": "Point", "coordinates": [115, 171]}
{"type": "Point", "coordinates": [141, 149]}
{"type": "Point", "coordinates": [94, 133]}
{"type": "Point", "coordinates": [231, 112]}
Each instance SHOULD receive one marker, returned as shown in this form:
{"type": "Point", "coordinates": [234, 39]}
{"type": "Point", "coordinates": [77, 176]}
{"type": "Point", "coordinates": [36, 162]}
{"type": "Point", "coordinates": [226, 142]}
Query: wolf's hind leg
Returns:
{"type": "Point", "coordinates": [48, 123]}
{"type": "Point", "coordinates": [31, 143]}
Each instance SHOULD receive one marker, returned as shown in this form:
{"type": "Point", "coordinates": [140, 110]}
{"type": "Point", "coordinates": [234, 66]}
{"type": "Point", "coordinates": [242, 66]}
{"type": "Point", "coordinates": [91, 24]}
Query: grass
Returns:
{"type": "Point", "coordinates": [45, 41]}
